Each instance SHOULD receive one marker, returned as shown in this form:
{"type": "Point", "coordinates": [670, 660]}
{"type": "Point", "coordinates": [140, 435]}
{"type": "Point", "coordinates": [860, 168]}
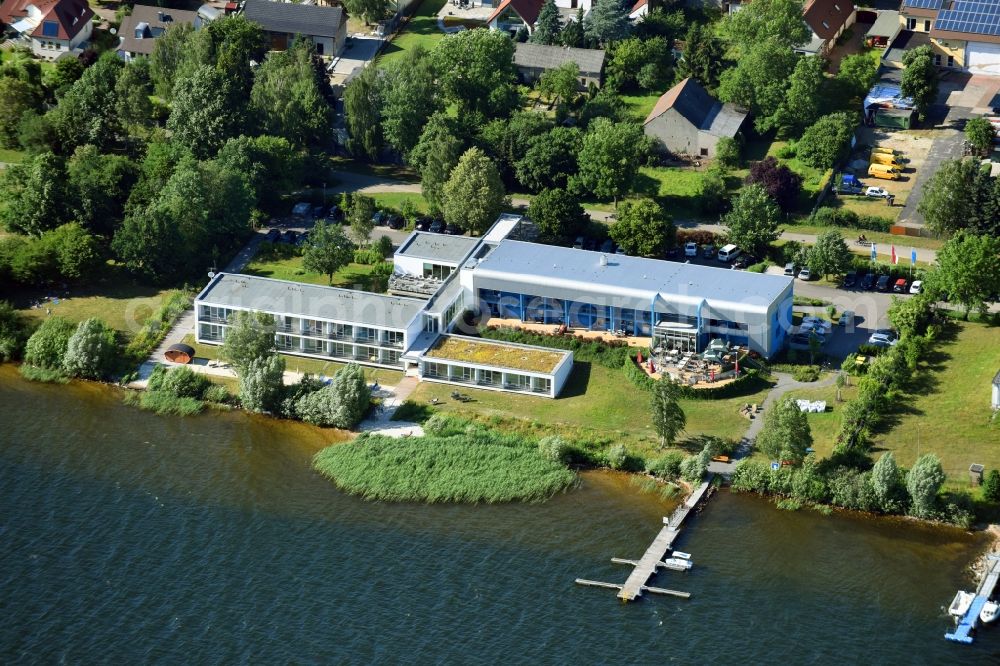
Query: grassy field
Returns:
{"type": "Point", "coordinates": [824, 426]}
{"type": "Point", "coordinates": [948, 410]}
{"type": "Point", "coordinates": [596, 402]}
{"type": "Point", "coordinates": [353, 276]}
{"type": "Point", "coordinates": [641, 105]}
{"type": "Point", "coordinates": [122, 303]}
{"type": "Point", "coordinates": [421, 30]}
{"type": "Point", "coordinates": [878, 237]}
{"type": "Point", "coordinates": [391, 171]}
{"type": "Point", "coordinates": [395, 199]}
{"type": "Point", "coordinates": [11, 156]}
{"type": "Point", "coordinates": [301, 364]}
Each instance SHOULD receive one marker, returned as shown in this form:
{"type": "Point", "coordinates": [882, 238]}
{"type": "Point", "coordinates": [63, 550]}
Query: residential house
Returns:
{"type": "Point", "coordinates": [687, 120]}
{"type": "Point", "coordinates": [145, 24]}
{"type": "Point", "coordinates": [533, 60]}
{"type": "Point", "coordinates": [326, 27]}
{"type": "Point", "coordinates": [50, 27]}
{"type": "Point", "coordinates": [639, 9]}
{"type": "Point", "coordinates": [827, 20]}
{"type": "Point", "coordinates": [963, 34]}
{"type": "Point", "coordinates": [512, 15]}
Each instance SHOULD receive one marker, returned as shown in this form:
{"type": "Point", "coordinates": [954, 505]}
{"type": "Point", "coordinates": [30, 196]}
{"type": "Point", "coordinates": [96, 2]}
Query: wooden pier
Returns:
{"type": "Point", "coordinates": [969, 622]}
{"type": "Point", "coordinates": [652, 559]}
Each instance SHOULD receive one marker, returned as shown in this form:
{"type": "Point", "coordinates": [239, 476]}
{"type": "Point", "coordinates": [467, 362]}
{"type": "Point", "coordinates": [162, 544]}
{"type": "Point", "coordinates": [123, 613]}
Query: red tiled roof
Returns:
{"type": "Point", "coordinates": [70, 15]}
{"type": "Point", "coordinates": [528, 10]}
{"type": "Point", "coordinates": [639, 4]}
{"type": "Point", "coordinates": [832, 12]}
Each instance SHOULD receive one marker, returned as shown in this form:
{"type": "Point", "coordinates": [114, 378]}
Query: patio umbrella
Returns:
{"type": "Point", "coordinates": [651, 365]}
{"type": "Point", "coordinates": [639, 355]}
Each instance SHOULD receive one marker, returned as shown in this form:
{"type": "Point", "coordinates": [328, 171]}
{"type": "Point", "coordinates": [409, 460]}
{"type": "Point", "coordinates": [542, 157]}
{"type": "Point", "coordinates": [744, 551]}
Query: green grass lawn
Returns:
{"type": "Point", "coordinates": [641, 105]}
{"type": "Point", "coordinates": [421, 30]}
{"type": "Point", "coordinates": [947, 411]}
{"type": "Point", "coordinates": [120, 302]}
{"type": "Point", "coordinates": [11, 156]}
{"type": "Point", "coordinates": [393, 171]}
{"type": "Point", "coordinates": [878, 237]}
{"type": "Point", "coordinates": [824, 426]}
{"type": "Point", "coordinates": [395, 199]}
{"type": "Point", "coordinates": [294, 363]}
{"type": "Point", "coordinates": [352, 276]}
{"type": "Point", "coordinates": [597, 403]}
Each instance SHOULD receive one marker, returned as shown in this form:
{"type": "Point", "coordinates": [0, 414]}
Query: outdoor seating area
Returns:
{"type": "Point", "coordinates": [716, 365]}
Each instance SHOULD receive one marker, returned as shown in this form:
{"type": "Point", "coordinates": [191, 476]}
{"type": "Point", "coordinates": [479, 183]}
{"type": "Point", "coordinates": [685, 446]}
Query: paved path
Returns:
{"type": "Point", "coordinates": [381, 422]}
{"type": "Point", "coordinates": [784, 385]}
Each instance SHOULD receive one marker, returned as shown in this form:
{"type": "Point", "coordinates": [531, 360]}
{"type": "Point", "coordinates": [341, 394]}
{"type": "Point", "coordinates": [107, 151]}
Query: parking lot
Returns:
{"type": "Point", "coordinates": [912, 146]}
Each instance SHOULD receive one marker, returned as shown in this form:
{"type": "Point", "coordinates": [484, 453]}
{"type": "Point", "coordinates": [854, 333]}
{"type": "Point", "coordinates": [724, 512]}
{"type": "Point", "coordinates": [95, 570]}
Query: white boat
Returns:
{"type": "Point", "coordinates": [989, 612]}
{"type": "Point", "coordinates": [961, 603]}
{"type": "Point", "coordinates": [677, 564]}
{"type": "Point", "coordinates": [683, 556]}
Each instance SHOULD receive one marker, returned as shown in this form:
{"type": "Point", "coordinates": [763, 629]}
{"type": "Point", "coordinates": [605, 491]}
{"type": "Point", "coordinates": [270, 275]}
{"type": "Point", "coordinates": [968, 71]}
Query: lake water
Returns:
{"type": "Point", "coordinates": [128, 538]}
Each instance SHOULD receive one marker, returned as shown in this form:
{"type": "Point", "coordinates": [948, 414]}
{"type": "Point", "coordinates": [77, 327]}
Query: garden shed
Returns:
{"type": "Point", "coordinates": [179, 353]}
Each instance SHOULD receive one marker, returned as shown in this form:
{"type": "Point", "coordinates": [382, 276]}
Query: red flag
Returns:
{"type": "Point", "coordinates": [895, 259]}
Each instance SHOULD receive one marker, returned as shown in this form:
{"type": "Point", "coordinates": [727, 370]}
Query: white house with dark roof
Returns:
{"type": "Point", "coordinates": [326, 27]}
{"type": "Point", "coordinates": [687, 120]}
{"type": "Point", "coordinates": [533, 60]}
{"type": "Point", "coordinates": [51, 28]}
{"type": "Point", "coordinates": [140, 29]}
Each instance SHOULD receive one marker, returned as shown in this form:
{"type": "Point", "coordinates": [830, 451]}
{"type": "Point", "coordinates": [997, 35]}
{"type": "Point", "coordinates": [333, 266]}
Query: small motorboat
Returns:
{"type": "Point", "coordinates": [989, 612]}
{"type": "Point", "coordinates": [677, 564]}
{"type": "Point", "coordinates": [683, 556]}
{"type": "Point", "coordinates": [961, 603]}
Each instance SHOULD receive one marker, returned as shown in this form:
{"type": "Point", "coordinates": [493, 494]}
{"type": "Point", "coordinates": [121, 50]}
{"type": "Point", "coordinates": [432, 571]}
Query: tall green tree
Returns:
{"type": "Point", "coordinates": [704, 56]}
{"type": "Point", "coordinates": [607, 22]}
{"type": "Point", "coordinates": [88, 111]}
{"type": "Point", "coordinates": [235, 43]}
{"type": "Point", "coordinates": [206, 112]}
{"type": "Point", "coordinates": [372, 11]}
{"type": "Point", "coordinates": [91, 352]}
{"type": "Point", "coordinates": [362, 113]}
{"type": "Point", "coordinates": [668, 416]}
{"type": "Point", "coordinates": [548, 25]}
{"type": "Point", "coordinates": [46, 347]}
{"type": "Point", "coordinates": [250, 337]}
{"type": "Point", "coordinates": [132, 91]}
{"type": "Point", "coordinates": [785, 435]}
{"type": "Point", "coordinates": [475, 70]}
{"type": "Point", "coordinates": [980, 133]}
{"type": "Point", "coordinates": [609, 158]}
{"type": "Point", "coordinates": [572, 34]}
{"type": "Point", "coordinates": [968, 270]}
{"type": "Point", "coordinates": [271, 166]}
{"type": "Point", "coordinates": [560, 85]}
{"type": "Point", "coordinates": [759, 81]}
{"type": "Point", "coordinates": [262, 383]}
{"type": "Point", "coordinates": [98, 187]}
{"type": "Point", "coordinates": [950, 197]}
{"type": "Point", "coordinates": [643, 228]}
{"type": "Point", "coordinates": [435, 155]}
{"type": "Point", "coordinates": [328, 250]}
{"type": "Point", "coordinates": [803, 102]}
{"type": "Point", "coordinates": [827, 140]}
{"type": "Point", "coordinates": [474, 195]}
{"type": "Point", "coordinates": [643, 63]}
{"type": "Point", "coordinates": [920, 78]}
{"type": "Point", "coordinates": [923, 482]}
{"type": "Point", "coordinates": [409, 99]}
{"type": "Point", "coordinates": [508, 139]}
{"type": "Point", "coordinates": [286, 97]}
{"type": "Point", "coordinates": [887, 484]}
{"type": "Point", "coordinates": [777, 21]}
{"type": "Point", "coordinates": [35, 195]}
{"type": "Point", "coordinates": [65, 73]}
{"type": "Point", "coordinates": [857, 74]}
{"type": "Point", "coordinates": [360, 216]}
{"type": "Point", "coordinates": [830, 255]}
{"type": "Point", "coordinates": [551, 159]}
{"type": "Point", "coordinates": [557, 214]}
{"type": "Point", "coordinates": [168, 56]}
{"type": "Point", "coordinates": [16, 97]}
{"type": "Point", "coordinates": [753, 222]}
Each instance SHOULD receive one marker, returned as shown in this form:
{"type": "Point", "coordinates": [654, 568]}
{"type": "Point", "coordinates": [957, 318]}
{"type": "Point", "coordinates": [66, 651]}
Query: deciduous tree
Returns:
{"type": "Point", "coordinates": [803, 102]}
{"type": "Point", "coordinates": [362, 113]}
{"type": "Point", "coordinates": [752, 224]}
{"type": "Point", "coordinates": [328, 249]}
{"type": "Point", "coordinates": [16, 97]}
{"type": "Point", "coordinates": [668, 417]}
{"type": "Point", "coordinates": [830, 255]}
{"type": "Point", "coordinates": [786, 434]}
{"type": "Point", "coordinates": [88, 111]}
{"type": "Point", "coordinates": [759, 81]}
{"type": "Point", "coordinates": [782, 184]}
{"type": "Point", "coordinates": [887, 484]}
{"type": "Point", "coordinates": [35, 195]}
{"type": "Point", "coordinates": [920, 78]}
{"type": "Point", "coordinates": [372, 11]}
{"type": "Point", "coordinates": [99, 185]}
{"type": "Point", "coordinates": [409, 99]}
{"type": "Point", "coordinates": [168, 55]}
{"type": "Point", "coordinates": [91, 351]}
{"type": "Point", "coordinates": [777, 21]}
{"type": "Point", "coordinates": [435, 156]}
{"type": "Point", "coordinates": [476, 71]}
{"type": "Point", "coordinates": [286, 98]}
{"type": "Point", "coordinates": [262, 383]}
{"type": "Point", "coordinates": [968, 270]}
{"type": "Point", "coordinates": [250, 337]}
{"type": "Point", "coordinates": [980, 133]}
{"type": "Point", "coordinates": [923, 482]}
{"type": "Point", "coordinates": [609, 158]}
{"type": "Point", "coordinates": [827, 140]}
{"type": "Point", "coordinates": [557, 214]}
{"type": "Point", "coordinates": [857, 74]}
{"type": "Point", "coordinates": [643, 228]}
{"type": "Point", "coordinates": [560, 85]}
{"type": "Point", "coordinates": [205, 112]}
{"type": "Point", "coordinates": [474, 194]}
{"type": "Point", "coordinates": [361, 214]}
{"type": "Point", "coordinates": [550, 160]}
{"type": "Point", "coordinates": [47, 345]}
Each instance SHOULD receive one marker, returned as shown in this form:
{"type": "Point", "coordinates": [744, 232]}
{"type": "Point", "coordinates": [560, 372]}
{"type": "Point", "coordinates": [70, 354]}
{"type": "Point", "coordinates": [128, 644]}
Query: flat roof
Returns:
{"type": "Point", "coordinates": [462, 349]}
{"type": "Point", "coordinates": [886, 25]}
{"type": "Point", "coordinates": [310, 301]}
{"type": "Point", "coordinates": [504, 225]}
{"type": "Point", "coordinates": [437, 247]}
{"type": "Point", "coordinates": [569, 272]}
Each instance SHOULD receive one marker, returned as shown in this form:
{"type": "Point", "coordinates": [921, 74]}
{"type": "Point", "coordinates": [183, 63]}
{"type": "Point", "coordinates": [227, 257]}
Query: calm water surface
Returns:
{"type": "Point", "coordinates": [128, 538]}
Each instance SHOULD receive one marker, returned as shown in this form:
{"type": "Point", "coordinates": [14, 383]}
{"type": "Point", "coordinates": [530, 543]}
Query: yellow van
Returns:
{"type": "Point", "coordinates": [883, 171]}
{"type": "Point", "coordinates": [887, 160]}
{"type": "Point", "coordinates": [883, 149]}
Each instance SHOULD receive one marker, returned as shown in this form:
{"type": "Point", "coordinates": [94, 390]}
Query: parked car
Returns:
{"type": "Point", "coordinates": [741, 262]}
{"type": "Point", "coordinates": [437, 227]}
{"type": "Point", "coordinates": [273, 236]}
{"type": "Point", "coordinates": [589, 243]}
{"type": "Point", "coordinates": [882, 339]}
{"type": "Point", "coordinates": [917, 287]}
{"type": "Point", "coordinates": [289, 236]}
{"type": "Point", "coordinates": [846, 318]}
{"type": "Point", "coordinates": [578, 243]}
{"type": "Point", "coordinates": [620, 251]}
{"type": "Point", "coordinates": [708, 251]}
{"type": "Point", "coordinates": [901, 286]}
{"type": "Point", "coordinates": [673, 252]}
{"type": "Point", "coordinates": [877, 192]}
{"type": "Point", "coordinates": [868, 281]}
{"type": "Point", "coordinates": [883, 283]}
{"type": "Point", "coordinates": [690, 249]}
{"type": "Point", "coordinates": [805, 273]}
{"type": "Point", "coordinates": [335, 214]}
{"type": "Point", "coordinates": [422, 224]}
{"type": "Point", "coordinates": [850, 280]}
{"type": "Point", "coordinates": [728, 253]}
{"type": "Point", "coordinates": [395, 221]}
{"type": "Point", "coordinates": [849, 184]}
{"type": "Point", "coordinates": [608, 246]}
{"type": "Point", "coordinates": [453, 230]}
{"type": "Point", "coordinates": [302, 239]}
{"type": "Point", "coordinates": [301, 209]}
{"type": "Point", "coordinates": [818, 323]}
{"type": "Point", "coordinates": [790, 269]}
{"type": "Point", "coordinates": [318, 211]}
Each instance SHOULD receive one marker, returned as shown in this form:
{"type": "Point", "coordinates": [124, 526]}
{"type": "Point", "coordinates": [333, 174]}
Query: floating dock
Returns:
{"type": "Point", "coordinates": [969, 622]}
{"type": "Point", "coordinates": [652, 559]}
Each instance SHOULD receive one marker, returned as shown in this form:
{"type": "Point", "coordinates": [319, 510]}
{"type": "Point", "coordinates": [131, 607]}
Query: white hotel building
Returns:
{"type": "Point", "coordinates": [674, 304]}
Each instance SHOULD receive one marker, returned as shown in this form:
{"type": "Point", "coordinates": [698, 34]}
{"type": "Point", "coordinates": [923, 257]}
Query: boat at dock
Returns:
{"type": "Point", "coordinates": [989, 612]}
{"type": "Point", "coordinates": [677, 564]}
{"type": "Point", "coordinates": [683, 556]}
{"type": "Point", "coordinates": [961, 603]}
{"type": "Point", "coordinates": [971, 609]}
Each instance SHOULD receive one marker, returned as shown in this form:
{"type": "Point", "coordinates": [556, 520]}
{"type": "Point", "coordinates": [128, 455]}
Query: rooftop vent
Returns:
{"type": "Point", "coordinates": [604, 260]}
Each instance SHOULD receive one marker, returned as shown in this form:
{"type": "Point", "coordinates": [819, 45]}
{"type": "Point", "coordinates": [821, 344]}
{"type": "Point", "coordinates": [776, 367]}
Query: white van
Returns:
{"type": "Point", "coordinates": [728, 253]}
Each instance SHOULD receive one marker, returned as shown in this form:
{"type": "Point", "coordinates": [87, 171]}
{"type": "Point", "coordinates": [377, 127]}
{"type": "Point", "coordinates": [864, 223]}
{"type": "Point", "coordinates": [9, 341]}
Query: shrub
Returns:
{"type": "Point", "coordinates": [787, 151]}
{"type": "Point", "coordinates": [384, 246]}
{"type": "Point", "coordinates": [667, 466]}
{"type": "Point", "coordinates": [163, 403]}
{"type": "Point", "coordinates": [91, 352]}
{"type": "Point", "coordinates": [155, 328]}
{"type": "Point", "coordinates": [340, 404]}
{"type": "Point", "coordinates": [788, 504]}
{"type": "Point", "coordinates": [369, 256]}
{"type": "Point", "coordinates": [180, 382]}
{"type": "Point", "coordinates": [216, 393]}
{"type": "Point", "coordinates": [46, 347]}
{"type": "Point", "coordinates": [617, 456]}
{"type": "Point", "coordinates": [554, 448]}
{"type": "Point", "coordinates": [692, 469]}
{"type": "Point", "coordinates": [727, 151]}
{"type": "Point", "coordinates": [13, 332]}
{"type": "Point", "coordinates": [262, 383]}
{"type": "Point", "coordinates": [412, 411]}
{"type": "Point", "coordinates": [991, 486]}
{"type": "Point", "coordinates": [750, 476]}
{"type": "Point", "coordinates": [806, 373]}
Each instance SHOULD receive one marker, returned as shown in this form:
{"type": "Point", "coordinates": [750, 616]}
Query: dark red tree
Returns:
{"type": "Point", "coordinates": [781, 183]}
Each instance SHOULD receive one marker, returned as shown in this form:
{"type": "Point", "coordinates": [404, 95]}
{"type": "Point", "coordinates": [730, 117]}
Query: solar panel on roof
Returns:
{"type": "Point", "coordinates": [980, 17]}
{"type": "Point", "coordinates": [924, 4]}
